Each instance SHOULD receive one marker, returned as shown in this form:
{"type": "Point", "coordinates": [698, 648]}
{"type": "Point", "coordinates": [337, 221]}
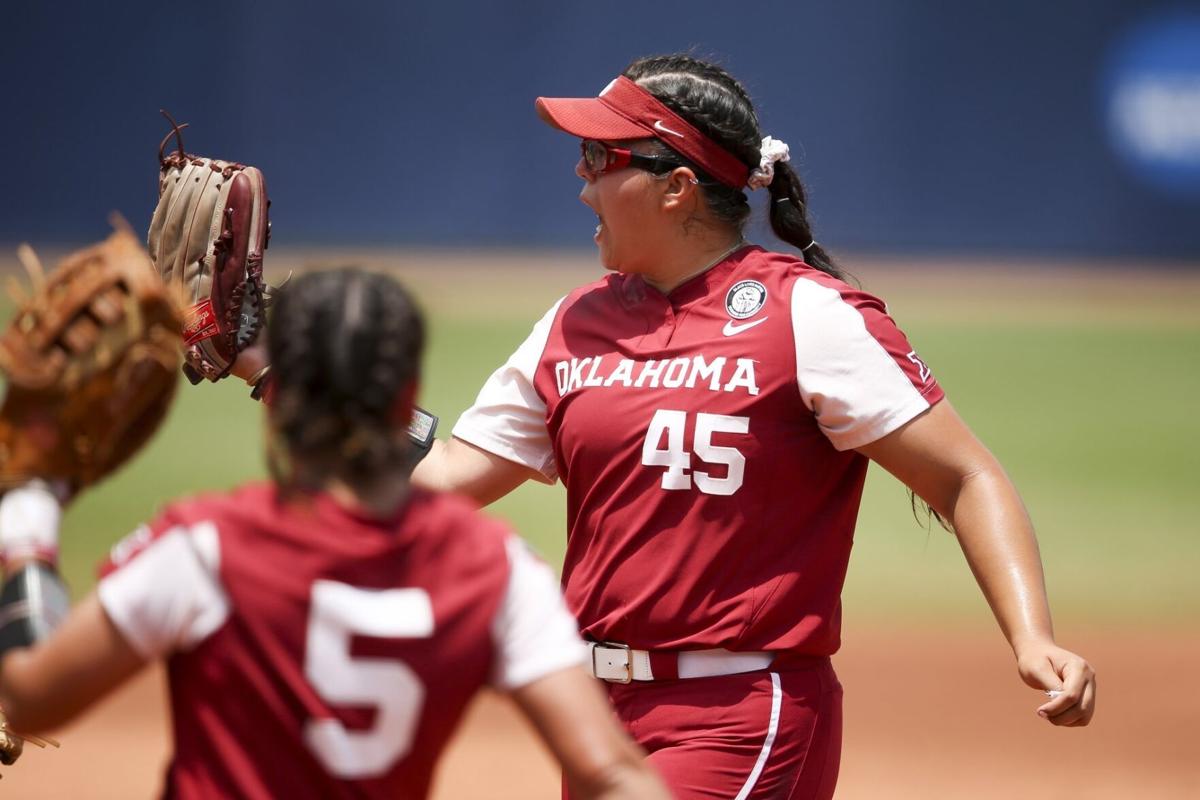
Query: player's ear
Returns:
{"type": "Point", "coordinates": [681, 189]}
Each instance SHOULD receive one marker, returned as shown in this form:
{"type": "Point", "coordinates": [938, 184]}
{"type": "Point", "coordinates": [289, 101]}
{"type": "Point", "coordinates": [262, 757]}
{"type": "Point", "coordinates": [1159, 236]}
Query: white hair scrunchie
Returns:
{"type": "Point", "coordinates": [772, 150]}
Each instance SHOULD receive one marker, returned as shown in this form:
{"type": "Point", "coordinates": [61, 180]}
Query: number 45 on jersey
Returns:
{"type": "Point", "coordinates": [678, 460]}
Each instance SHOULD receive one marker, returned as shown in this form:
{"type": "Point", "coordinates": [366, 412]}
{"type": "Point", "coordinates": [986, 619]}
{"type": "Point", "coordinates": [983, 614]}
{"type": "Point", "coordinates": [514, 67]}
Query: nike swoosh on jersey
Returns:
{"type": "Point", "coordinates": [658, 126]}
{"type": "Point", "coordinates": [733, 330]}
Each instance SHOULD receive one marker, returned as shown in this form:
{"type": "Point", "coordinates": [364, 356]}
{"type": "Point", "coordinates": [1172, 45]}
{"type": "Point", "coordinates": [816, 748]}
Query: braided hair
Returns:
{"type": "Point", "coordinates": [344, 345]}
{"type": "Point", "coordinates": [717, 105]}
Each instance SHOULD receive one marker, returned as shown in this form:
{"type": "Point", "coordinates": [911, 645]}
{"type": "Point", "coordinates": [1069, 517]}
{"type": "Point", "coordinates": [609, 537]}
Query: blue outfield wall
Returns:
{"type": "Point", "coordinates": [1067, 128]}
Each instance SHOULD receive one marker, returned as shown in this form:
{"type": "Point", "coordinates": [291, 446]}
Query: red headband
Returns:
{"type": "Point", "coordinates": [625, 110]}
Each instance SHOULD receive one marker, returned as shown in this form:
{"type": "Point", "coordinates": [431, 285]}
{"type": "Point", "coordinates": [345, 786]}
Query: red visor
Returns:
{"type": "Point", "coordinates": [625, 110]}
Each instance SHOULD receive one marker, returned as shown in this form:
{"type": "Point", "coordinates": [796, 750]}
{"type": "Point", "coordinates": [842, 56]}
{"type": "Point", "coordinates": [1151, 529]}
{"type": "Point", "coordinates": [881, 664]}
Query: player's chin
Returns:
{"type": "Point", "coordinates": [607, 258]}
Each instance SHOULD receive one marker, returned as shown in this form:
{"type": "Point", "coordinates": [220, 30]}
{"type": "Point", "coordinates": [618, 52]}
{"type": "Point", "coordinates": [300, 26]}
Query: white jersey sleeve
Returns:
{"type": "Point", "coordinates": [533, 632]}
{"type": "Point", "coordinates": [855, 369]}
{"type": "Point", "coordinates": [509, 417]}
{"type": "Point", "coordinates": [167, 597]}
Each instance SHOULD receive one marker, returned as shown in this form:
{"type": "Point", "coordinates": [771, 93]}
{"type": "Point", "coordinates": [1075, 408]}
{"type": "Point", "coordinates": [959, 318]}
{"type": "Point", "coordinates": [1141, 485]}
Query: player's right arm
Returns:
{"type": "Point", "coordinates": [572, 716]}
{"type": "Point", "coordinates": [502, 440]}
{"type": "Point", "coordinates": [460, 467]}
{"type": "Point", "coordinates": [450, 466]}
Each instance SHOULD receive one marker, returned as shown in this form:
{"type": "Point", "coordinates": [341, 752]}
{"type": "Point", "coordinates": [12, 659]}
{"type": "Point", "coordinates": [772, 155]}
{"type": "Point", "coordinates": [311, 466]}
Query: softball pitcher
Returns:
{"type": "Point", "coordinates": [711, 407]}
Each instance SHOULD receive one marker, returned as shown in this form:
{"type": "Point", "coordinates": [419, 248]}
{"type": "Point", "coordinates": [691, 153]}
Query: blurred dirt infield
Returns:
{"type": "Point", "coordinates": [929, 714]}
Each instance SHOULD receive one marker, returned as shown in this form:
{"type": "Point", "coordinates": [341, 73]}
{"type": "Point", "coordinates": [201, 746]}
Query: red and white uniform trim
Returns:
{"type": "Point", "coordinates": [846, 367]}
{"type": "Point", "coordinates": [707, 441]}
{"type": "Point", "coordinates": [353, 644]}
{"type": "Point", "coordinates": [169, 599]}
{"type": "Point", "coordinates": [768, 741]}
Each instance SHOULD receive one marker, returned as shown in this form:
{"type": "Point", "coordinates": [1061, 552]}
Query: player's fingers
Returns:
{"type": "Point", "coordinates": [1064, 710]}
{"type": "Point", "coordinates": [1060, 700]}
{"type": "Point", "coordinates": [1076, 676]}
{"type": "Point", "coordinates": [1041, 675]}
{"type": "Point", "coordinates": [1057, 704]}
{"type": "Point", "coordinates": [1067, 710]}
{"type": "Point", "coordinates": [1088, 703]}
{"type": "Point", "coordinates": [1067, 717]}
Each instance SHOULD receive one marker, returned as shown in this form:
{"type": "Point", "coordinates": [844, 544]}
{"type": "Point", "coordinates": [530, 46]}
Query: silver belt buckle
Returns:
{"type": "Point", "coordinates": [608, 666]}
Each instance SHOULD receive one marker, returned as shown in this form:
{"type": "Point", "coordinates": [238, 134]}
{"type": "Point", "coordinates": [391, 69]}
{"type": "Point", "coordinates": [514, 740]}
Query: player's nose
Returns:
{"type": "Point", "coordinates": [582, 171]}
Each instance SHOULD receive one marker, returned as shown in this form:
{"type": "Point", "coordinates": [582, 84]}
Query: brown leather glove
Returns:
{"type": "Point", "coordinates": [90, 363]}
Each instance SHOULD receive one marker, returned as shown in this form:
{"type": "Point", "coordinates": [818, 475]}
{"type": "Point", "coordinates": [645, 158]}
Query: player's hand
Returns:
{"type": "Point", "coordinates": [250, 361]}
{"type": "Point", "coordinates": [1067, 678]}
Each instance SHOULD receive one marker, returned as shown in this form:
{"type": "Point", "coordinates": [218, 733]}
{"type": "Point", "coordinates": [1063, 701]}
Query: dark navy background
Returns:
{"type": "Point", "coordinates": [920, 126]}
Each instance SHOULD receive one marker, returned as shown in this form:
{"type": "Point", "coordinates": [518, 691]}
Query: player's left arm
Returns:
{"type": "Point", "coordinates": [938, 457]}
{"type": "Point", "coordinates": [48, 682]}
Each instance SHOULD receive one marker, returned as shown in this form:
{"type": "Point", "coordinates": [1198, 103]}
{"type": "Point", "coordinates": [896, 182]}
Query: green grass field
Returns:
{"type": "Point", "coordinates": [1088, 398]}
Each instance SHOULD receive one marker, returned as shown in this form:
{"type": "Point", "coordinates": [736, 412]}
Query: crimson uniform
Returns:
{"type": "Point", "coordinates": [706, 440]}
{"type": "Point", "coordinates": [316, 652]}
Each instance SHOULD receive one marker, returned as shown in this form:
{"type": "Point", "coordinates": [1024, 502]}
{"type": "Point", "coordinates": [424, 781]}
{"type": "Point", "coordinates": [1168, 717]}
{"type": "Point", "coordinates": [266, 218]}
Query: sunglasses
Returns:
{"type": "Point", "coordinates": [599, 158]}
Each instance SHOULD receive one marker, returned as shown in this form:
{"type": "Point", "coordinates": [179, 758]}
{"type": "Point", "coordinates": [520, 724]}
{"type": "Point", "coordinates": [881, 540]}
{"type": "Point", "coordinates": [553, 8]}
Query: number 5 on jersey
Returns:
{"type": "Point", "coordinates": [391, 686]}
{"type": "Point", "coordinates": [678, 461]}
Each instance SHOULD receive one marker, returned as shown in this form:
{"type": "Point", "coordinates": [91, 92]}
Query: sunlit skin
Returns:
{"type": "Point", "coordinates": [656, 226]}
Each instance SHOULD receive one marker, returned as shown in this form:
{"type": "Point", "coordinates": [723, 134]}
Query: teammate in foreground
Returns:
{"type": "Point", "coordinates": [89, 361]}
{"type": "Point", "coordinates": [323, 631]}
{"type": "Point", "coordinates": [711, 407]}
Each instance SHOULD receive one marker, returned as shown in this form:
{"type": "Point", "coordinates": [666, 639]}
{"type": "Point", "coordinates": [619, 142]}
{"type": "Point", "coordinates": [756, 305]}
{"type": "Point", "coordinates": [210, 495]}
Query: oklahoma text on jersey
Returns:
{"type": "Point", "coordinates": [717, 374]}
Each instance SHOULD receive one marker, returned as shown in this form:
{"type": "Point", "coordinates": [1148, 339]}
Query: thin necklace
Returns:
{"type": "Point", "coordinates": [740, 243]}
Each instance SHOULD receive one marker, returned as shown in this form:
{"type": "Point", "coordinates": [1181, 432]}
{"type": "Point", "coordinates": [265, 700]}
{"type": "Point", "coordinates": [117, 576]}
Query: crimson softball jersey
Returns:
{"type": "Point", "coordinates": [313, 652]}
{"type": "Point", "coordinates": [706, 439]}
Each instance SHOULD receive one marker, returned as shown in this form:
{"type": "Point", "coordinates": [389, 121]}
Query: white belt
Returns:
{"type": "Point", "coordinates": [619, 663]}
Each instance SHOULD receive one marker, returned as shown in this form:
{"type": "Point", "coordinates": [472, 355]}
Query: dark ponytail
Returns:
{"type": "Point", "coordinates": [717, 105]}
{"type": "Point", "coordinates": [344, 344]}
{"type": "Point", "coordinates": [790, 222]}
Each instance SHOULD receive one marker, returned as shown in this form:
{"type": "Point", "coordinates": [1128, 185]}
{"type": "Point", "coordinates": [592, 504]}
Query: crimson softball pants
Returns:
{"type": "Point", "coordinates": [758, 735]}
